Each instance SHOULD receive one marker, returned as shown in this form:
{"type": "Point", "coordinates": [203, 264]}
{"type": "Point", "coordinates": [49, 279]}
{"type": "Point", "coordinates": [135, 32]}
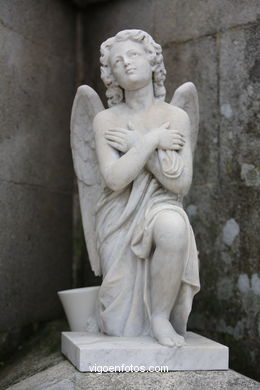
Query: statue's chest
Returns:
{"type": "Point", "coordinates": [144, 123]}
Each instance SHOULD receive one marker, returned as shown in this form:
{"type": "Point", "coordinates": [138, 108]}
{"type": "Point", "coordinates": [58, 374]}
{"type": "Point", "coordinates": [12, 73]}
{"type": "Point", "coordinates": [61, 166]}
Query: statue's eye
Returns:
{"type": "Point", "coordinates": [118, 60]}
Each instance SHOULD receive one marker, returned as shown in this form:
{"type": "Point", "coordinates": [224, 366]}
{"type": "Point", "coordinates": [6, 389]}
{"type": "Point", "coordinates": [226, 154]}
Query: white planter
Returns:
{"type": "Point", "coordinates": [79, 305]}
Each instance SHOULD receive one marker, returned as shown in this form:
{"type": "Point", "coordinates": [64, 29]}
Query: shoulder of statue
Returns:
{"type": "Point", "coordinates": [104, 117]}
{"type": "Point", "coordinates": [170, 108]}
{"type": "Point", "coordinates": [176, 113]}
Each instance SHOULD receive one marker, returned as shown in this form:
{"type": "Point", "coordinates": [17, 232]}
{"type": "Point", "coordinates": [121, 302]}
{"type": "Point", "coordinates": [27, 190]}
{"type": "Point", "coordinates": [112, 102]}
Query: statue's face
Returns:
{"type": "Point", "coordinates": [130, 65]}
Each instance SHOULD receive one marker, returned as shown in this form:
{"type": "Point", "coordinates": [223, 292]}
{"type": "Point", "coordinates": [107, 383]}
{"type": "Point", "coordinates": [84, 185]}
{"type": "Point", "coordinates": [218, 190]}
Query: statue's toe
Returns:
{"type": "Point", "coordinates": [179, 341]}
{"type": "Point", "coordinates": [167, 341]}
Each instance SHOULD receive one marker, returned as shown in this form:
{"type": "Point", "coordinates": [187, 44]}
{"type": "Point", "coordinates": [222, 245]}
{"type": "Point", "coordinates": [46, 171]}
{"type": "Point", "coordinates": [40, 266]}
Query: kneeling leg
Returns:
{"type": "Point", "coordinates": [170, 238]}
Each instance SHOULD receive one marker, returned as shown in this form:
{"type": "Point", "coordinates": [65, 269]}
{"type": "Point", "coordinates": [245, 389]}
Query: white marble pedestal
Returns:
{"type": "Point", "coordinates": [100, 353]}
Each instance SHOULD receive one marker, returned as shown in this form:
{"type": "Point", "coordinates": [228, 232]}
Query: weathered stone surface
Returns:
{"type": "Point", "coordinates": [177, 21]}
{"type": "Point", "coordinates": [250, 174]}
{"type": "Point", "coordinates": [226, 223]}
{"type": "Point", "coordinates": [37, 69]}
{"type": "Point", "coordinates": [49, 24]}
{"type": "Point", "coordinates": [239, 145]}
{"type": "Point", "coordinates": [186, 63]}
{"type": "Point", "coordinates": [64, 377]}
{"type": "Point", "coordinates": [59, 377]}
{"type": "Point", "coordinates": [35, 114]}
{"type": "Point", "coordinates": [239, 87]}
{"type": "Point", "coordinates": [40, 351]}
{"type": "Point", "coordinates": [86, 3]}
{"type": "Point", "coordinates": [33, 265]}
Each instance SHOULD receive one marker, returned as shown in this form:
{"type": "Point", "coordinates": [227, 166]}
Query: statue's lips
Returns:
{"type": "Point", "coordinates": [130, 70]}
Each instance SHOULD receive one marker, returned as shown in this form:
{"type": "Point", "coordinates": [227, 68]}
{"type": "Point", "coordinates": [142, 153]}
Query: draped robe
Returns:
{"type": "Point", "coordinates": [124, 226]}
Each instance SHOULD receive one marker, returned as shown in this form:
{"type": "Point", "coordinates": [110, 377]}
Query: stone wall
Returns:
{"type": "Point", "coordinates": [37, 68]}
{"type": "Point", "coordinates": [214, 44]}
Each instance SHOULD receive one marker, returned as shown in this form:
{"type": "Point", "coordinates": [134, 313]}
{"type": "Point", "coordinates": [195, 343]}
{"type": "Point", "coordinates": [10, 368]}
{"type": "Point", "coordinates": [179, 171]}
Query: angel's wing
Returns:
{"type": "Point", "coordinates": [86, 105]}
{"type": "Point", "coordinates": [186, 97]}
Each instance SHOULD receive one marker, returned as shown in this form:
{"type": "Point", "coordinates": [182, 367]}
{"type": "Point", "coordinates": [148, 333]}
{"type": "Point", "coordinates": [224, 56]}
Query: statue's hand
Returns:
{"type": "Point", "coordinates": [169, 139]}
{"type": "Point", "coordinates": [122, 139]}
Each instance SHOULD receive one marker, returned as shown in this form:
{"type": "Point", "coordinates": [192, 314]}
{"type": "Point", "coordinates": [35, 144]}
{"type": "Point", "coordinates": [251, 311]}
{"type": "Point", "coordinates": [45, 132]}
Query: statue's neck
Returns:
{"type": "Point", "coordinates": [140, 99]}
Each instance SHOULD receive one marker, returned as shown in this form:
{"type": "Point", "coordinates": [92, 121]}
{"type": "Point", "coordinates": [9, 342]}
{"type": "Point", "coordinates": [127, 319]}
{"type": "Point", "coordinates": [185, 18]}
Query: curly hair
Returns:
{"type": "Point", "coordinates": [115, 93]}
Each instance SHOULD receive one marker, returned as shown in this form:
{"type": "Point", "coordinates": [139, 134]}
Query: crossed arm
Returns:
{"type": "Point", "coordinates": [140, 151]}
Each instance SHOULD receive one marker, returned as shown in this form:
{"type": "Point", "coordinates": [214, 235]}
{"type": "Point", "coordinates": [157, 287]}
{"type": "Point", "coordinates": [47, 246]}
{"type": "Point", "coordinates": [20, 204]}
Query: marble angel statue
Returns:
{"type": "Point", "coordinates": [133, 163]}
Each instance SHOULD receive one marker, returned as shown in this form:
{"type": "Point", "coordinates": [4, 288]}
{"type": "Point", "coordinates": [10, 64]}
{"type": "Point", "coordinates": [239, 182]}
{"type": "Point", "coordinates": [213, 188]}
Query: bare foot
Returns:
{"type": "Point", "coordinates": [165, 334]}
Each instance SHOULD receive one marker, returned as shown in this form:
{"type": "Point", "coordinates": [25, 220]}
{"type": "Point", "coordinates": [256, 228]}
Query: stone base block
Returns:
{"type": "Point", "coordinates": [97, 352]}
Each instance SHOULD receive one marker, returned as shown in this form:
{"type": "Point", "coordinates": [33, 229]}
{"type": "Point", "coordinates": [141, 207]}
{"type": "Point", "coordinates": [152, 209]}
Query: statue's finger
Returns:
{"type": "Point", "coordinates": [115, 138]}
{"type": "Point", "coordinates": [115, 133]}
{"type": "Point", "coordinates": [178, 141]}
{"type": "Point", "coordinates": [116, 130]}
{"type": "Point", "coordinates": [178, 138]}
{"type": "Point", "coordinates": [176, 133]}
{"type": "Point", "coordinates": [177, 147]}
{"type": "Point", "coordinates": [117, 146]}
{"type": "Point", "coordinates": [121, 129]}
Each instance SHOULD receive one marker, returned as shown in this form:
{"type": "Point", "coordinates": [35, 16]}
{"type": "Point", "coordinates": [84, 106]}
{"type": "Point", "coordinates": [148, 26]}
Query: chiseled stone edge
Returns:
{"type": "Point", "coordinates": [87, 350]}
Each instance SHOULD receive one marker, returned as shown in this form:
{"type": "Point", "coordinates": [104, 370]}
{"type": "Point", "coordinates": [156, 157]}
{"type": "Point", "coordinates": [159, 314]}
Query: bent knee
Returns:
{"type": "Point", "coordinates": [170, 231]}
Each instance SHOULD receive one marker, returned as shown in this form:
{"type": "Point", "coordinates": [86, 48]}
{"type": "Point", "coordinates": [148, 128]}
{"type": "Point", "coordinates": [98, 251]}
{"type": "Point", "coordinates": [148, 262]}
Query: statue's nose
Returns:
{"type": "Point", "coordinates": [126, 61]}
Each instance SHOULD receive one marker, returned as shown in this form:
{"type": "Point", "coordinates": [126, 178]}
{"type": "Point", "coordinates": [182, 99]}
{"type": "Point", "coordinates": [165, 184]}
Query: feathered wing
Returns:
{"type": "Point", "coordinates": [186, 97]}
{"type": "Point", "coordinates": [85, 107]}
